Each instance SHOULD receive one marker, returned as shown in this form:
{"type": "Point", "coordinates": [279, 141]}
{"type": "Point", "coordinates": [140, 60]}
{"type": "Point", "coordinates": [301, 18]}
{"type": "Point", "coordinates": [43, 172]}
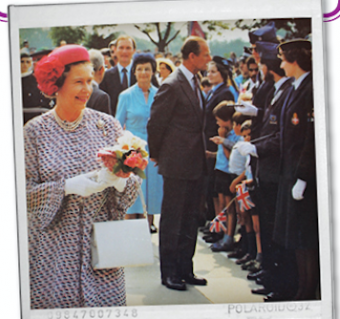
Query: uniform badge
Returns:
{"type": "Point", "coordinates": [273, 119]}
{"type": "Point", "coordinates": [295, 119]}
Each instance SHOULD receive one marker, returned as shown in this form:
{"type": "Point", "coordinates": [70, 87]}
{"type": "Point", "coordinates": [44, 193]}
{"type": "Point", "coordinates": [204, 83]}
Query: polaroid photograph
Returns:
{"type": "Point", "coordinates": [171, 159]}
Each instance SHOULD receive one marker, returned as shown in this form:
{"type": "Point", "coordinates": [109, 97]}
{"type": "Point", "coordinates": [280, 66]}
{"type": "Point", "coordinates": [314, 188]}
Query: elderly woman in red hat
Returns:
{"type": "Point", "coordinates": [63, 196]}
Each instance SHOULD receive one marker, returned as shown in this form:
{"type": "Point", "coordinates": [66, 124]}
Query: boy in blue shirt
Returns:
{"type": "Point", "coordinates": [223, 113]}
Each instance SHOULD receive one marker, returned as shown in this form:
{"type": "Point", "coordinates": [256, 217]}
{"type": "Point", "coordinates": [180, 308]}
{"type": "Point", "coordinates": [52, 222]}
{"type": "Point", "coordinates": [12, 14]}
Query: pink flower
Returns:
{"type": "Point", "coordinates": [134, 160]}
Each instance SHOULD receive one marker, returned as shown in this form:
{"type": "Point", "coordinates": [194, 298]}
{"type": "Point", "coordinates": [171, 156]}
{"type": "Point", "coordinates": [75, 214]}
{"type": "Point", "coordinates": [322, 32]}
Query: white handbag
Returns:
{"type": "Point", "coordinates": [122, 243]}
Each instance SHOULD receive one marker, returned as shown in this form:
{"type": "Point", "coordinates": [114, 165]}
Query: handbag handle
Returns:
{"type": "Point", "coordinates": [145, 213]}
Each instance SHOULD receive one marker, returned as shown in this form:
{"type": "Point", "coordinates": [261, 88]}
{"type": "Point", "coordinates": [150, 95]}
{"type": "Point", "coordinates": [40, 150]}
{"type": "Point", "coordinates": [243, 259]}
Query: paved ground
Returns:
{"type": "Point", "coordinates": [227, 282]}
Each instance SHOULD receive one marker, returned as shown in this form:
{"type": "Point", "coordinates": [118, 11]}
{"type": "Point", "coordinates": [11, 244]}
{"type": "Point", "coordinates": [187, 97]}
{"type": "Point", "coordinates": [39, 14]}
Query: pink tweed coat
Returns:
{"type": "Point", "coordinates": [59, 226]}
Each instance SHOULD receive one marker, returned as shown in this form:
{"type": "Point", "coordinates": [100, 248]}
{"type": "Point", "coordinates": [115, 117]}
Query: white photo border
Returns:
{"type": "Point", "coordinates": [187, 10]}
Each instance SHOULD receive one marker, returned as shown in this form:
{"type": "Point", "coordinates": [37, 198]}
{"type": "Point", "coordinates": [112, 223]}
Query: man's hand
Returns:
{"type": "Point", "coordinates": [155, 160]}
{"type": "Point", "coordinates": [217, 139]}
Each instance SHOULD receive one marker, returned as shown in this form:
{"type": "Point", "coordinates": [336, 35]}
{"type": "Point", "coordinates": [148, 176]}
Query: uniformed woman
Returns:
{"type": "Point", "coordinates": [296, 222]}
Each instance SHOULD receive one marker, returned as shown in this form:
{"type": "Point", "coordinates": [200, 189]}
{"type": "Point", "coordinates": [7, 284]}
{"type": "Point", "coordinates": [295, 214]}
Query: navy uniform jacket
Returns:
{"type": "Point", "coordinates": [296, 222]}
{"type": "Point", "coordinates": [99, 100]}
{"type": "Point", "coordinates": [268, 149]}
{"type": "Point", "coordinates": [259, 100]}
{"type": "Point", "coordinates": [176, 130]}
{"type": "Point", "coordinates": [221, 94]}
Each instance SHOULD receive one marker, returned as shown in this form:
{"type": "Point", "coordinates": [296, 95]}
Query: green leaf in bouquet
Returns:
{"type": "Point", "coordinates": [139, 172]}
{"type": "Point", "coordinates": [119, 154]}
{"type": "Point", "coordinates": [118, 166]}
{"type": "Point", "coordinates": [144, 153]}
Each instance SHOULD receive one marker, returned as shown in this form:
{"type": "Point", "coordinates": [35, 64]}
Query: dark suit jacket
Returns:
{"type": "Point", "coordinates": [99, 100]}
{"type": "Point", "coordinates": [176, 130]}
{"type": "Point", "coordinates": [111, 84]}
{"type": "Point", "coordinates": [211, 129]}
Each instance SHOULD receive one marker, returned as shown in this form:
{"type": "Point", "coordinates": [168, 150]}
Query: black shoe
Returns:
{"type": "Point", "coordinates": [236, 254]}
{"type": "Point", "coordinates": [153, 229]}
{"type": "Point", "coordinates": [260, 291]}
{"type": "Point", "coordinates": [212, 238]}
{"type": "Point", "coordinates": [217, 247]}
{"type": "Point", "coordinates": [256, 274]}
{"type": "Point", "coordinates": [276, 296]}
{"type": "Point", "coordinates": [243, 260]}
{"type": "Point", "coordinates": [174, 283]}
{"type": "Point", "coordinates": [191, 279]}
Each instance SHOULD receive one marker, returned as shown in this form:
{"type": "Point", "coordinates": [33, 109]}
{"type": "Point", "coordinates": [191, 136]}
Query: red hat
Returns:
{"type": "Point", "coordinates": [50, 68]}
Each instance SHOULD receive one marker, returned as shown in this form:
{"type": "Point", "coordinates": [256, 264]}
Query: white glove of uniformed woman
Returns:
{"type": "Point", "coordinates": [246, 109]}
{"type": "Point", "coordinates": [246, 148]}
{"type": "Point", "coordinates": [84, 184]}
{"type": "Point", "coordinates": [298, 189]}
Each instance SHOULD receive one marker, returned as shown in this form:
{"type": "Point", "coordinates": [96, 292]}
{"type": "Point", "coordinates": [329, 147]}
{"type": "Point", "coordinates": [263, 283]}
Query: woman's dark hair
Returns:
{"type": "Point", "coordinates": [274, 65]}
{"type": "Point", "coordinates": [222, 69]}
{"type": "Point", "coordinates": [303, 58]}
{"type": "Point", "coordinates": [143, 58]}
{"type": "Point", "coordinates": [60, 82]}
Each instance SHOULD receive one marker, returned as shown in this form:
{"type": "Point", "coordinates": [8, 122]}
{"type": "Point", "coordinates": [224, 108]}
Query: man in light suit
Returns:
{"type": "Point", "coordinates": [99, 100]}
{"type": "Point", "coordinates": [177, 145]}
{"type": "Point", "coordinates": [120, 77]}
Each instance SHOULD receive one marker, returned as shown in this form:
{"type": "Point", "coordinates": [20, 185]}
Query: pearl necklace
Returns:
{"type": "Point", "coordinates": [68, 126]}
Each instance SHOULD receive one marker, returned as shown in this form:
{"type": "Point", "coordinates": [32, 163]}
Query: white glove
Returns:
{"type": "Point", "coordinates": [246, 148]}
{"type": "Point", "coordinates": [298, 189]}
{"type": "Point", "coordinates": [105, 176]}
{"type": "Point", "coordinates": [84, 185]}
{"type": "Point", "coordinates": [246, 109]}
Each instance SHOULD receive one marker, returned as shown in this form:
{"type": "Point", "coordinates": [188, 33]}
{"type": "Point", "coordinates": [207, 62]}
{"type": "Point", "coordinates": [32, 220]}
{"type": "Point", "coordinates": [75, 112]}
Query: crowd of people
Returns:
{"type": "Point", "coordinates": [227, 137]}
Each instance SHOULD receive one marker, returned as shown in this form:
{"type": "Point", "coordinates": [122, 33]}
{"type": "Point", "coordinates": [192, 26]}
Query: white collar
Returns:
{"type": "Point", "coordinates": [26, 73]}
{"type": "Point", "coordinates": [128, 68]}
{"type": "Point", "coordinates": [297, 82]}
{"type": "Point", "coordinates": [279, 83]}
{"type": "Point", "coordinates": [189, 75]}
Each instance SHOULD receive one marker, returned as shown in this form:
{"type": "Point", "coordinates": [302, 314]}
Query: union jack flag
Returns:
{"type": "Point", "coordinates": [243, 197]}
{"type": "Point", "coordinates": [219, 223]}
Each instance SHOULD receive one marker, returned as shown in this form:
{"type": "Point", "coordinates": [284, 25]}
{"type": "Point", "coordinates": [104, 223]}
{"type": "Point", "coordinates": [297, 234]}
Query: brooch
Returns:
{"type": "Point", "coordinates": [101, 126]}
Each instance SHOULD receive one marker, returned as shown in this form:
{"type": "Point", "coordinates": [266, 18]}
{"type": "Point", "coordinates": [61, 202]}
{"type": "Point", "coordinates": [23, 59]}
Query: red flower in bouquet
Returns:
{"type": "Point", "coordinates": [129, 156]}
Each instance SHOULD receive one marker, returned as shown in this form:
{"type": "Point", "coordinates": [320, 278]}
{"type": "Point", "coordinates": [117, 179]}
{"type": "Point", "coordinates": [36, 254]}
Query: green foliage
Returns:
{"type": "Point", "coordinates": [215, 27]}
{"type": "Point", "coordinates": [72, 35]}
{"type": "Point", "coordinates": [96, 41]}
{"type": "Point", "coordinates": [294, 28]}
{"type": "Point", "coordinates": [139, 172]}
{"type": "Point", "coordinates": [224, 48]}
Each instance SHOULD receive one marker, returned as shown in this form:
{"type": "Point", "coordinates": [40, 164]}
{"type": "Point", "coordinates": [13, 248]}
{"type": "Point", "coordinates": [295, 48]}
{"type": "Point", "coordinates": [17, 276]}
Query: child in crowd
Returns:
{"type": "Point", "coordinates": [249, 221]}
{"type": "Point", "coordinates": [223, 113]}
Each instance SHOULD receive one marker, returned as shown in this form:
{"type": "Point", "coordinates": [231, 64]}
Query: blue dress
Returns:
{"type": "Point", "coordinates": [134, 113]}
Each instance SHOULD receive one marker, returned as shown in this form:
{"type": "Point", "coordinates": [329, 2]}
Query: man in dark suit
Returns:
{"type": "Point", "coordinates": [176, 144]}
{"type": "Point", "coordinates": [99, 100]}
{"type": "Point", "coordinates": [120, 77]}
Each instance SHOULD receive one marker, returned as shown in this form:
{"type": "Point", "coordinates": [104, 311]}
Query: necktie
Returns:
{"type": "Point", "coordinates": [125, 79]}
{"type": "Point", "coordinates": [197, 90]}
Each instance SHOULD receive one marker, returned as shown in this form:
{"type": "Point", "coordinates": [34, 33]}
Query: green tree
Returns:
{"type": "Point", "coordinates": [96, 41]}
{"type": "Point", "coordinates": [74, 35]}
{"type": "Point", "coordinates": [294, 28]}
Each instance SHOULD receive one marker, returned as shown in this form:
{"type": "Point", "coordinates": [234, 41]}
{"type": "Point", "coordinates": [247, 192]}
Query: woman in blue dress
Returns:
{"type": "Point", "coordinates": [133, 112]}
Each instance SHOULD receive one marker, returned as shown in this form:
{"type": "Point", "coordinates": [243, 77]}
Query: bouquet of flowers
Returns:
{"type": "Point", "coordinates": [120, 161]}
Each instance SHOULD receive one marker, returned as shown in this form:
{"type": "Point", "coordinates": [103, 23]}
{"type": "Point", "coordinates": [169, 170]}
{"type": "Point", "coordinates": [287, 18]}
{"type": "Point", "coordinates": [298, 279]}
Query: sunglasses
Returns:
{"type": "Point", "coordinates": [253, 70]}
